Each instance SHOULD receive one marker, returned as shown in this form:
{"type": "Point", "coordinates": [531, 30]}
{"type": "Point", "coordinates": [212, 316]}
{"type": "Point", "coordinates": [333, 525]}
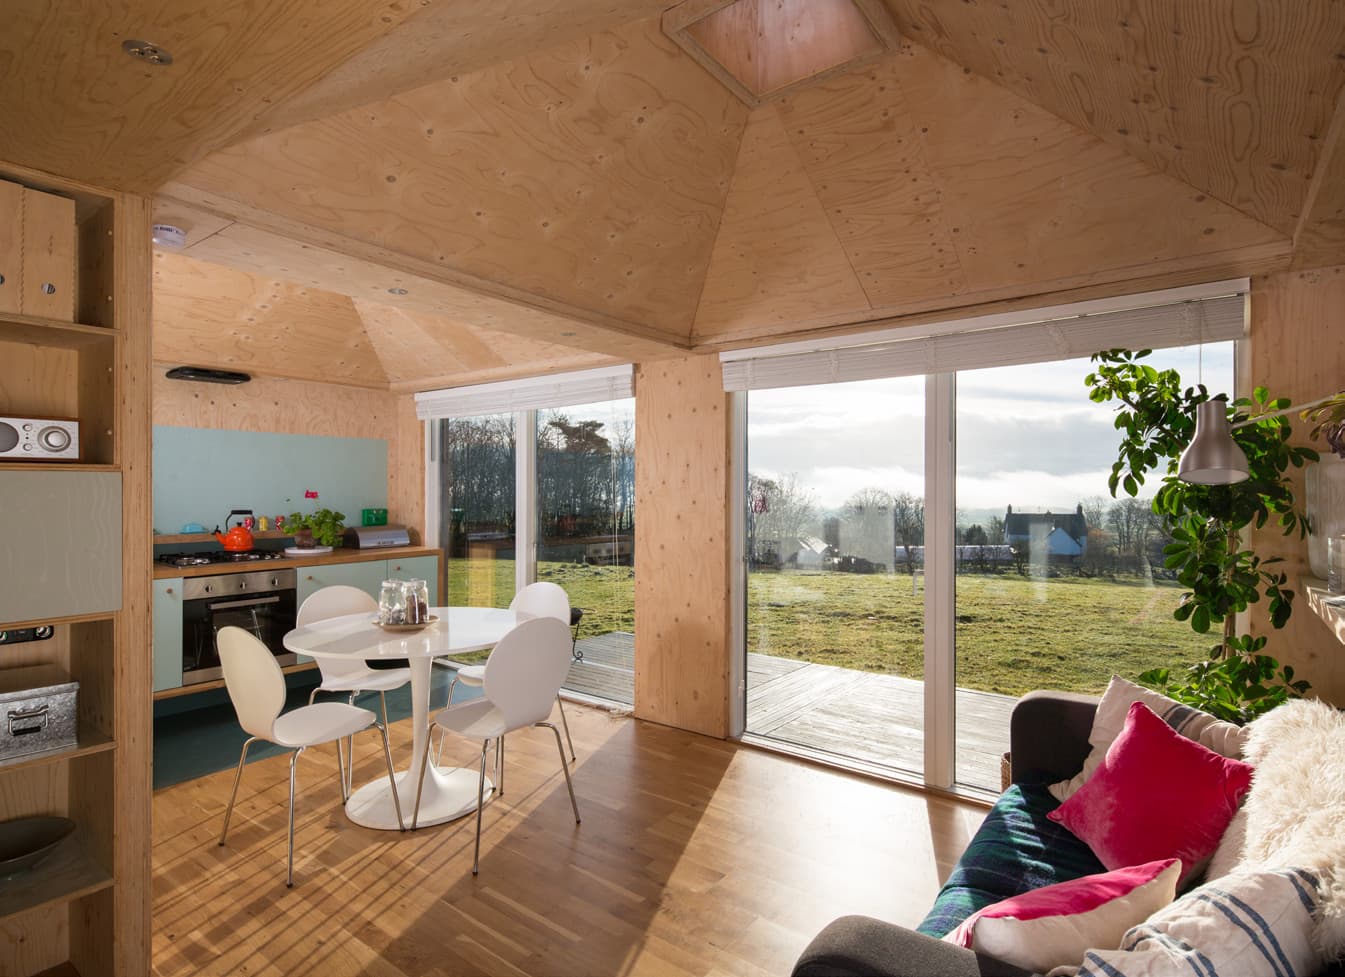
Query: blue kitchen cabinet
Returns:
{"type": "Point", "coordinates": [368, 576]}
{"type": "Point", "coordinates": [168, 634]}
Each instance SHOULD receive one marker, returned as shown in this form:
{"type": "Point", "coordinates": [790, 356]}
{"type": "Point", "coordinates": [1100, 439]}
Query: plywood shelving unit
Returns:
{"type": "Point", "coordinates": [85, 908]}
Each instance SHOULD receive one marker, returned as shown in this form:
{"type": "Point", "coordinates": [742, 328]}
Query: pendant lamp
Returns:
{"type": "Point", "coordinates": [1212, 457]}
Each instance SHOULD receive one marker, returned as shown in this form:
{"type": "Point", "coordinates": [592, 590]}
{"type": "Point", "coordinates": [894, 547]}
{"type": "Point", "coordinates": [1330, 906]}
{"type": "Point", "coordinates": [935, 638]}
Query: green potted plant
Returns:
{"type": "Point", "coordinates": [324, 527]}
{"type": "Point", "coordinates": [1155, 416]}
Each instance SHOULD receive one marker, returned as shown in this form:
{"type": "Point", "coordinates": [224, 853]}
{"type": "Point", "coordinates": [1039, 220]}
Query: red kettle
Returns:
{"type": "Point", "coordinates": [239, 538]}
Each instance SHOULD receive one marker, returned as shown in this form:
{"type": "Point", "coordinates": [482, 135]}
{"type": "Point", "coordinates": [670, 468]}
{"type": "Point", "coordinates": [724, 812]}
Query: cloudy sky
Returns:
{"type": "Point", "coordinates": [1028, 436]}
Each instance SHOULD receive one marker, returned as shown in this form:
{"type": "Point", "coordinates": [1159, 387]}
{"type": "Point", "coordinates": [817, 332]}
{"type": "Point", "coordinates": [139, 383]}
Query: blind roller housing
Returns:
{"type": "Point", "coordinates": [1215, 319]}
{"type": "Point", "coordinates": [533, 393]}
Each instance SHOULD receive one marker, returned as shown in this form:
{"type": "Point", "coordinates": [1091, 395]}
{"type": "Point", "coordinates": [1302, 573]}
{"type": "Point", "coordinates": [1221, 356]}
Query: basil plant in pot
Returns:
{"type": "Point", "coordinates": [1156, 420]}
{"type": "Point", "coordinates": [324, 527]}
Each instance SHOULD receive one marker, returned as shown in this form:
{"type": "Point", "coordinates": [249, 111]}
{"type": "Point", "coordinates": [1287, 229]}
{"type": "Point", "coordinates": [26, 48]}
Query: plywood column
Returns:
{"type": "Point", "coordinates": [1298, 352]}
{"type": "Point", "coordinates": [682, 628]}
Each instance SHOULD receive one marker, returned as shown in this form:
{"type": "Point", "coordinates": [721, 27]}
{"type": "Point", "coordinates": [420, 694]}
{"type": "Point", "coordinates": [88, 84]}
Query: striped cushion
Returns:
{"type": "Point", "coordinates": [1245, 923]}
{"type": "Point", "coordinates": [1017, 849]}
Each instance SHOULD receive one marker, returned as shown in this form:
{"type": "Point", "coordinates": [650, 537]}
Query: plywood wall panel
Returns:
{"type": "Point", "coordinates": [406, 466]}
{"type": "Point", "coordinates": [207, 315]}
{"type": "Point", "coordinates": [591, 173]}
{"type": "Point", "coordinates": [270, 404]}
{"type": "Point", "coordinates": [1232, 96]}
{"type": "Point", "coordinates": [682, 546]}
{"type": "Point", "coordinates": [1297, 351]}
{"type": "Point", "coordinates": [776, 258]}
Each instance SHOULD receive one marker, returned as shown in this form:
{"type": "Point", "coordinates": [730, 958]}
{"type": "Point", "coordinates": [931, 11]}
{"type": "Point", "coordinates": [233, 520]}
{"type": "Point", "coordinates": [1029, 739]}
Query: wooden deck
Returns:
{"type": "Point", "coordinates": [869, 716]}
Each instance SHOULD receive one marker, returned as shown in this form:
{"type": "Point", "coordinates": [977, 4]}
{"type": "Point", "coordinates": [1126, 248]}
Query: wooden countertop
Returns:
{"type": "Point", "coordinates": [341, 555]}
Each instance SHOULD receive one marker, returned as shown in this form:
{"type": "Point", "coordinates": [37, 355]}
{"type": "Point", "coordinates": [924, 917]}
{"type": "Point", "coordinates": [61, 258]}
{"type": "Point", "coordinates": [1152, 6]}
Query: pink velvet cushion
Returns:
{"type": "Point", "coordinates": [1156, 795]}
{"type": "Point", "coordinates": [1057, 924]}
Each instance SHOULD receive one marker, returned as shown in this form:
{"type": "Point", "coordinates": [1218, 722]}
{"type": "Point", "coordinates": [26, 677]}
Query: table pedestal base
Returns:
{"type": "Point", "coordinates": [450, 793]}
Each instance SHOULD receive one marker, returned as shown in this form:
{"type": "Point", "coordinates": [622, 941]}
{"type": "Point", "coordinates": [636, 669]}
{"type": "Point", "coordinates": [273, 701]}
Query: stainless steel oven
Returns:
{"type": "Point", "coordinates": [262, 602]}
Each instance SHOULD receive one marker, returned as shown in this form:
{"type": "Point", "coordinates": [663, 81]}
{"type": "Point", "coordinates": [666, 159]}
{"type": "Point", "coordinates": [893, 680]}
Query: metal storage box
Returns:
{"type": "Point", "coordinates": [37, 705]}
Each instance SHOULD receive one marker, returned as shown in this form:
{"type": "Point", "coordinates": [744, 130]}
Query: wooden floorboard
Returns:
{"type": "Point", "coordinates": [872, 717]}
{"type": "Point", "coordinates": [695, 857]}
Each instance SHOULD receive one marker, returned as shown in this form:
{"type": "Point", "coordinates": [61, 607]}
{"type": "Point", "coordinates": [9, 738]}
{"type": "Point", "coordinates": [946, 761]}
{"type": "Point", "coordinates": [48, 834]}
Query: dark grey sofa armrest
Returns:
{"type": "Point", "coordinates": [1048, 736]}
{"type": "Point", "coordinates": [858, 946]}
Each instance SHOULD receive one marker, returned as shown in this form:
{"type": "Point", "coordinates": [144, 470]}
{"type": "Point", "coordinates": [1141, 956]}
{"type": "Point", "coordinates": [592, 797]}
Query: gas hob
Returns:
{"type": "Point", "coordinates": [208, 557]}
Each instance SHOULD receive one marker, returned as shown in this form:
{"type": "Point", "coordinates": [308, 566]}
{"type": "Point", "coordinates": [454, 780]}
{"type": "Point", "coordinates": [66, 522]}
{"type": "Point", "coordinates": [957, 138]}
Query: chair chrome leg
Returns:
{"type": "Point", "coordinates": [341, 769]}
{"type": "Point", "coordinates": [565, 767]}
{"type": "Point", "coordinates": [228, 811]}
{"type": "Point", "coordinates": [420, 784]}
{"type": "Point", "coordinates": [383, 698]}
{"type": "Point", "coordinates": [499, 766]}
{"type": "Point", "coordinates": [289, 878]}
{"type": "Point", "coordinates": [312, 695]}
{"type": "Point", "coordinates": [443, 734]}
{"type": "Point", "coordinates": [392, 777]}
{"type": "Point", "coordinates": [480, 802]}
{"type": "Point", "coordinates": [566, 723]}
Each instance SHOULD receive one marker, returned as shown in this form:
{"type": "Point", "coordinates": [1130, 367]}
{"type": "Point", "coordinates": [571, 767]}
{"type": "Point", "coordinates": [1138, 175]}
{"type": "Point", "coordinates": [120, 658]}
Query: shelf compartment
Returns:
{"type": "Point", "coordinates": [54, 621]}
{"type": "Point", "coordinates": [1333, 615]}
{"type": "Point", "coordinates": [91, 740]}
{"type": "Point", "coordinates": [37, 331]}
{"type": "Point", "coordinates": [82, 649]}
{"type": "Point", "coordinates": [68, 873]}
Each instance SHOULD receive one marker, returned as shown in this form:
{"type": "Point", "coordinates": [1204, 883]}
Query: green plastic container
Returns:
{"type": "Point", "coordinates": [373, 517]}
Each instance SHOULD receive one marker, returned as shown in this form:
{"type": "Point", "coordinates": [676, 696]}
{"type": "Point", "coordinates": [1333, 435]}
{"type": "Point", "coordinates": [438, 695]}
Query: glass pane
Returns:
{"type": "Point", "coordinates": [1058, 585]}
{"type": "Point", "coordinates": [835, 586]}
{"type": "Point", "coordinates": [586, 530]}
{"type": "Point", "coordinates": [476, 508]}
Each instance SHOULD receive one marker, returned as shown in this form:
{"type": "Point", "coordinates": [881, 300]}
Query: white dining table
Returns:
{"type": "Point", "coordinates": [449, 793]}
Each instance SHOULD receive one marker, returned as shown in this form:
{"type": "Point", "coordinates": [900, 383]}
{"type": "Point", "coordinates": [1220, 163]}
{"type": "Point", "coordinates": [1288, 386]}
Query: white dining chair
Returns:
{"type": "Point", "coordinates": [540, 599]}
{"type": "Point", "coordinates": [257, 689]}
{"type": "Point", "coordinates": [352, 677]}
{"type": "Point", "coordinates": [522, 676]}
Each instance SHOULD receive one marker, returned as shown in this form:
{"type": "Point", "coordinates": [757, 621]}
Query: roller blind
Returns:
{"type": "Point", "coordinates": [533, 393]}
{"type": "Point", "coordinates": [1061, 333]}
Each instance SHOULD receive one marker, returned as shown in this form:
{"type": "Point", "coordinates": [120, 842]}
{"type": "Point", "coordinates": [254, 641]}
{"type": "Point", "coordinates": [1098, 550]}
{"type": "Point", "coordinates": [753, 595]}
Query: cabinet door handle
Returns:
{"type": "Point", "coordinates": [396, 568]}
{"type": "Point", "coordinates": [310, 577]}
{"type": "Point", "coordinates": [168, 590]}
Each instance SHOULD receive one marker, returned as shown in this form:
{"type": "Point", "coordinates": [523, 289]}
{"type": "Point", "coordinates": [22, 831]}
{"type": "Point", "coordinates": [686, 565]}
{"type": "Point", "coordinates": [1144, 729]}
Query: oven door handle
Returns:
{"type": "Point", "coordinates": [231, 604]}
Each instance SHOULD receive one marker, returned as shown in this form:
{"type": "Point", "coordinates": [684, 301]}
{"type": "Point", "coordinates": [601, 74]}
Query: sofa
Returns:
{"type": "Point", "coordinates": [1017, 849]}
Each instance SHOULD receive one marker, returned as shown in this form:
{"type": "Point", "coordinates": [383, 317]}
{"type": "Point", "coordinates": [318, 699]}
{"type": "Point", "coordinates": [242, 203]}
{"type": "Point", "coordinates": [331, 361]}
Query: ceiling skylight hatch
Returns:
{"type": "Point", "coordinates": [763, 49]}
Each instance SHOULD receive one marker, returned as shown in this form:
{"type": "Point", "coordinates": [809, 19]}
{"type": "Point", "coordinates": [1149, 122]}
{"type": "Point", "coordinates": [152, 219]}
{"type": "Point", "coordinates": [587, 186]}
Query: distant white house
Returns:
{"type": "Point", "coordinates": [812, 553]}
{"type": "Point", "coordinates": [1047, 534]}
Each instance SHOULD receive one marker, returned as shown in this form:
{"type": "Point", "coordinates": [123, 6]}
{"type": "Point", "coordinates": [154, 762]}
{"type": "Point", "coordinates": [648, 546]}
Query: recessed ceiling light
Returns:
{"type": "Point", "coordinates": [146, 51]}
{"type": "Point", "coordinates": [569, 334]}
{"type": "Point", "coordinates": [396, 291]}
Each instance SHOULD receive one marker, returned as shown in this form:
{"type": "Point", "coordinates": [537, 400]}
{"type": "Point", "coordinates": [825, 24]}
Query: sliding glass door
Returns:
{"type": "Point", "coordinates": [1058, 585]}
{"type": "Point", "coordinates": [912, 567]}
{"type": "Point", "coordinates": [478, 516]}
{"type": "Point", "coordinates": [835, 559]}
{"type": "Point", "coordinates": [586, 536]}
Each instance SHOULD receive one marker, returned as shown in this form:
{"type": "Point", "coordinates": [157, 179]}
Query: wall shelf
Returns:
{"type": "Point", "coordinates": [1332, 614]}
{"type": "Point", "coordinates": [53, 621]}
{"type": "Point", "coordinates": [60, 466]}
{"type": "Point", "coordinates": [65, 875]}
{"type": "Point", "coordinates": [91, 740]}
{"type": "Point", "coordinates": [15, 328]}
{"type": "Point", "coordinates": [210, 537]}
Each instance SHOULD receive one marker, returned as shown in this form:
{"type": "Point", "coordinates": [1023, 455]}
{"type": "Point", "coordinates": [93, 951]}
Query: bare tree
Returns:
{"type": "Point", "coordinates": [779, 512]}
{"type": "Point", "coordinates": [908, 521]}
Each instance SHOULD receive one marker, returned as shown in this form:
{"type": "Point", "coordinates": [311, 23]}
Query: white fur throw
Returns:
{"type": "Point", "coordinates": [1295, 811]}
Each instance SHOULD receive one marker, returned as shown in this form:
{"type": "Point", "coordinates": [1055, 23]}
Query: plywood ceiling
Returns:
{"type": "Point", "coordinates": [523, 183]}
{"type": "Point", "coordinates": [209, 315]}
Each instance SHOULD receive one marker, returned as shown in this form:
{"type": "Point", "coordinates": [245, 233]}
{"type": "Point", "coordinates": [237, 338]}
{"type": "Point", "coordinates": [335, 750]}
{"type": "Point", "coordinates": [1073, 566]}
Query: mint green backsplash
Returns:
{"type": "Point", "coordinates": [202, 473]}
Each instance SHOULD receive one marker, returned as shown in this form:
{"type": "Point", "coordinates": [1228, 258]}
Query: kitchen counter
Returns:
{"type": "Point", "coordinates": [339, 555]}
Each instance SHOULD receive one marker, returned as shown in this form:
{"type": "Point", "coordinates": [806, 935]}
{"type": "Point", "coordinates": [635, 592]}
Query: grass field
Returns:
{"type": "Point", "coordinates": [1013, 633]}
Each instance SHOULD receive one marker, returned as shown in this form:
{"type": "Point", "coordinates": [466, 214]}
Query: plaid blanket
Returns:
{"type": "Point", "coordinates": [1015, 850]}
